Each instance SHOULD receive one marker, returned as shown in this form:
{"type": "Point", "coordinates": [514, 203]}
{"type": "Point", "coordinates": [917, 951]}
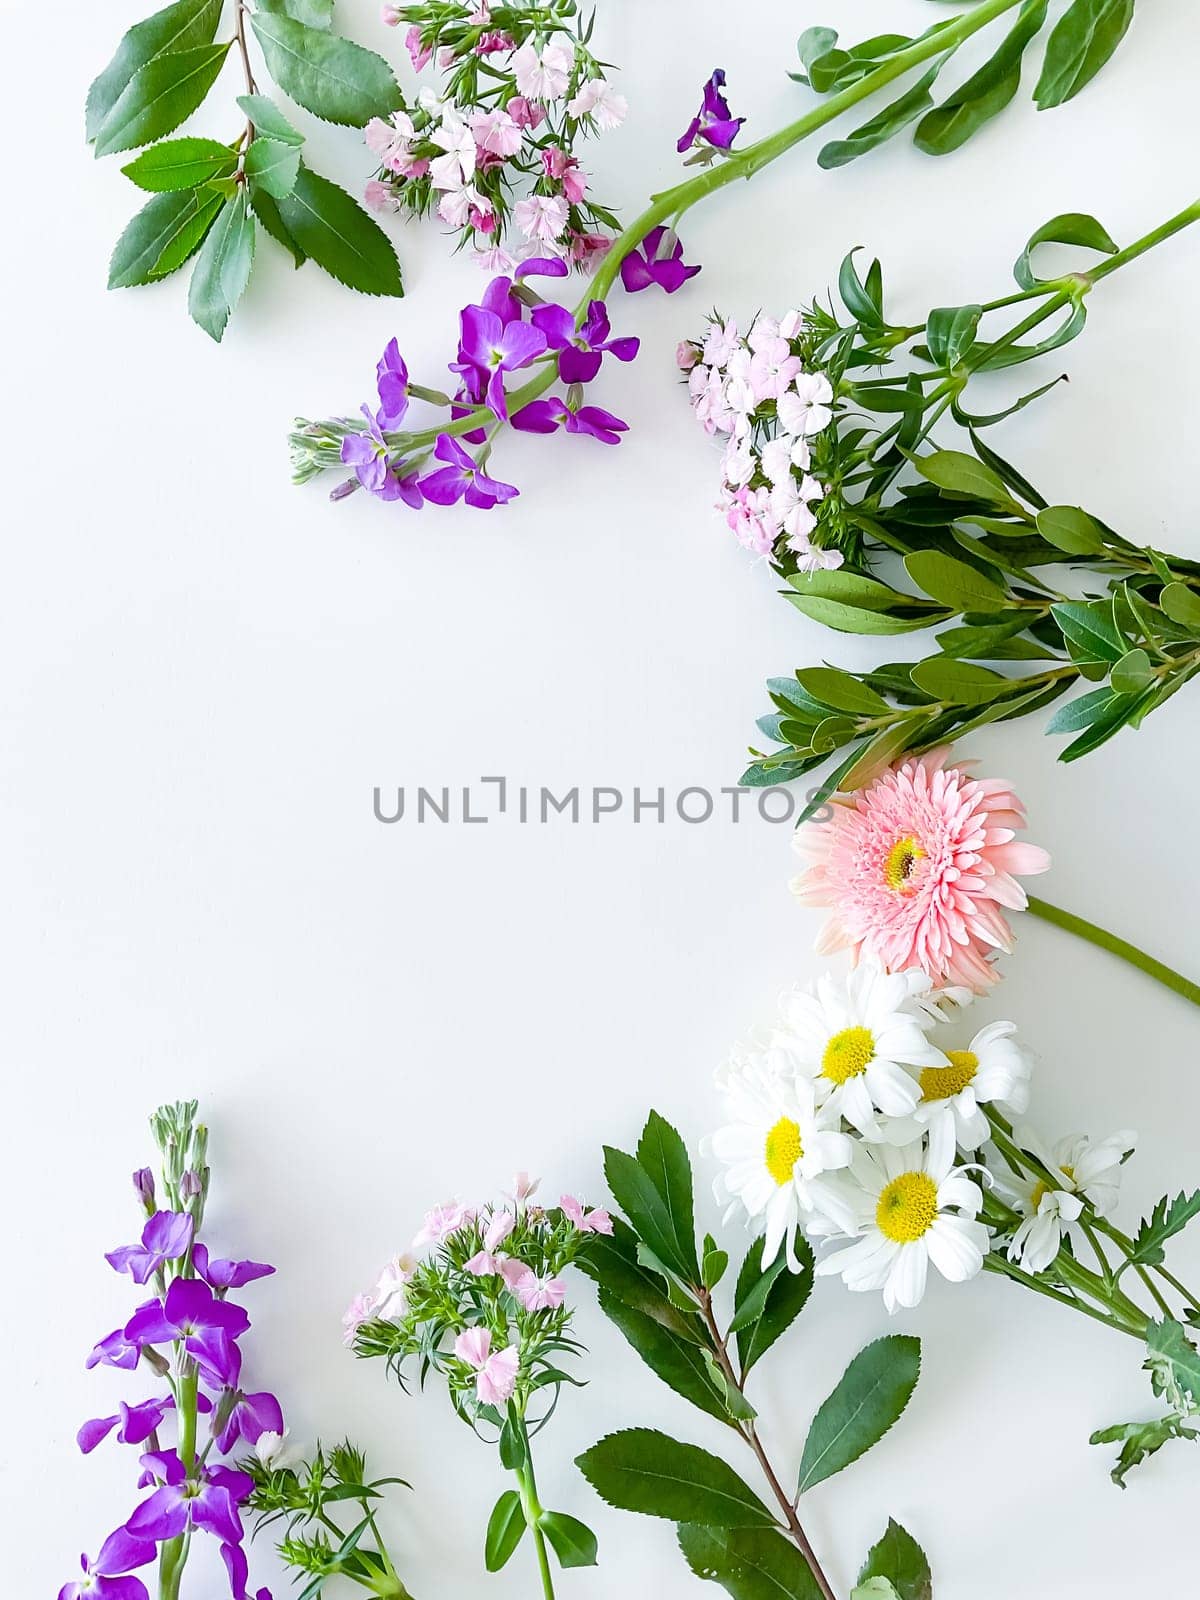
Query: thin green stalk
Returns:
{"type": "Point", "coordinates": [1121, 948]}
{"type": "Point", "coordinates": [532, 1508]}
{"type": "Point", "coordinates": [173, 1555]}
{"type": "Point", "coordinates": [1008, 1269]}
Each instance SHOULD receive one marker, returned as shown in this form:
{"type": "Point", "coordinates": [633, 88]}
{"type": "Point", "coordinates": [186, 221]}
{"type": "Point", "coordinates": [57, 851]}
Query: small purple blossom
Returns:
{"type": "Point", "coordinates": [135, 1424]}
{"type": "Point", "coordinates": [370, 455]}
{"type": "Point", "coordinates": [462, 479]}
{"type": "Point", "coordinates": [713, 122]}
{"type": "Point", "coordinates": [107, 1577]}
{"type": "Point", "coordinates": [547, 416]}
{"type": "Point", "coordinates": [251, 1416]}
{"type": "Point", "coordinates": [208, 1328]}
{"type": "Point", "coordinates": [165, 1237]}
{"type": "Point", "coordinates": [222, 1274]}
{"type": "Point", "coordinates": [581, 349]}
{"type": "Point", "coordinates": [488, 347]}
{"type": "Point", "coordinates": [659, 259]}
{"type": "Point", "coordinates": [391, 377]}
{"type": "Point", "coordinates": [115, 1350]}
{"type": "Point", "coordinates": [207, 1499]}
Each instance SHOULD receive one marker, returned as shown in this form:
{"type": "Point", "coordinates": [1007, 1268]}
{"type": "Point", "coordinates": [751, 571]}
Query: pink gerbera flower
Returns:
{"type": "Point", "coordinates": [916, 869]}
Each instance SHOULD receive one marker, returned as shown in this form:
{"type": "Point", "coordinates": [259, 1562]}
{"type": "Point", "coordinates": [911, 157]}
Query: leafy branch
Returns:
{"type": "Point", "coordinates": [210, 197]}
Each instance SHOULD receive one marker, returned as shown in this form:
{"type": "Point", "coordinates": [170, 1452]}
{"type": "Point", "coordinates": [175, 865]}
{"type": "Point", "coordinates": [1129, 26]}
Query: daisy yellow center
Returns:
{"type": "Point", "coordinates": [942, 1083]}
{"type": "Point", "coordinates": [784, 1149]}
{"type": "Point", "coordinates": [899, 863]}
{"type": "Point", "coordinates": [848, 1054]}
{"type": "Point", "coordinates": [907, 1208]}
{"type": "Point", "coordinates": [1041, 1189]}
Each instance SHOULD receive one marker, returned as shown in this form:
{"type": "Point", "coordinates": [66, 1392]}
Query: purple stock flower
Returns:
{"type": "Point", "coordinates": [581, 349]}
{"type": "Point", "coordinates": [143, 1183]}
{"type": "Point", "coordinates": [208, 1328]}
{"type": "Point", "coordinates": [488, 347]}
{"type": "Point", "coordinates": [546, 416]}
{"type": "Point", "coordinates": [238, 1569]}
{"type": "Point", "coordinates": [658, 260]}
{"type": "Point", "coordinates": [251, 1416]}
{"type": "Point", "coordinates": [463, 478]}
{"type": "Point", "coordinates": [391, 378]}
{"type": "Point", "coordinates": [712, 122]}
{"type": "Point", "coordinates": [115, 1350]}
{"type": "Point", "coordinates": [370, 455]}
{"type": "Point", "coordinates": [107, 1577]}
{"type": "Point", "coordinates": [136, 1424]}
{"type": "Point", "coordinates": [164, 1238]}
{"type": "Point", "coordinates": [208, 1500]}
{"type": "Point", "coordinates": [222, 1274]}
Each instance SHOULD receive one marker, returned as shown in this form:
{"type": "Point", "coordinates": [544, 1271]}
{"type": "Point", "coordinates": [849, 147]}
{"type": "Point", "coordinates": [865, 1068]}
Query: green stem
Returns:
{"type": "Point", "coordinates": [1121, 948]}
{"type": "Point", "coordinates": [532, 1508]}
{"type": "Point", "coordinates": [173, 1555]}
{"type": "Point", "coordinates": [1008, 1269]}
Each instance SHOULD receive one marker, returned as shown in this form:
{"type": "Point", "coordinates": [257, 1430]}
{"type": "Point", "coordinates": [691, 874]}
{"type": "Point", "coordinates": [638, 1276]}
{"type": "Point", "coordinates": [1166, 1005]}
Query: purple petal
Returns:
{"type": "Point", "coordinates": [168, 1234]}
{"type": "Point", "coordinates": [578, 366]}
{"type": "Point", "coordinates": [723, 133]}
{"type": "Point", "coordinates": [94, 1432]}
{"type": "Point", "coordinates": [120, 1588]}
{"type": "Point", "coordinates": [139, 1422]}
{"type": "Point", "coordinates": [543, 267]}
{"type": "Point", "coordinates": [444, 487]}
{"type": "Point", "coordinates": [448, 449]}
{"type": "Point", "coordinates": [539, 416]}
{"type": "Point", "coordinates": [213, 1510]}
{"type": "Point", "coordinates": [115, 1350]}
{"type": "Point", "coordinates": [556, 322]}
{"type": "Point", "coordinates": [596, 328]}
{"type": "Point", "coordinates": [163, 1516]}
{"type": "Point", "coordinates": [480, 333]}
{"type": "Point", "coordinates": [625, 349]}
{"type": "Point", "coordinates": [149, 1325]}
{"type": "Point", "coordinates": [357, 450]}
{"type": "Point", "coordinates": [217, 1357]}
{"type": "Point", "coordinates": [131, 1258]}
{"type": "Point", "coordinates": [499, 300]}
{"type": "Point", "coordinates": [121, 1552]}
{"type": "Point", "coordinates": [238, 1485]}
{"type": "Point", "coordinates": [237, 1567]}
{"type": "Point", "coordinates": [635, 274]}
{"type": "Point", "coordinates": [688, 137]}
{"type": "Point", "coordinates": [190, 1303]}
{"type": "Point", "coordinates": [521, 344]}
{"type": "Point", "coordinates": [163, 1466]}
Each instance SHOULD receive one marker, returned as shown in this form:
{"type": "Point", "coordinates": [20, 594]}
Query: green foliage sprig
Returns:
{"type": "Point", "coordinates": [210, 198]}
{"type": "Point", "coordinates": [659, 1286]}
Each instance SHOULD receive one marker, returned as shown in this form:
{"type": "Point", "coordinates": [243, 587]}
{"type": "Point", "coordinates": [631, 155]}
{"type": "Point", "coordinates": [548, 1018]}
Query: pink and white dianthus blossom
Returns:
{"type": "Point", "coordinates": [918, 869]}
{"type": "Point", "coordinates": [541, 216]}
{"type": "Point", "coordinates": [544, 74]}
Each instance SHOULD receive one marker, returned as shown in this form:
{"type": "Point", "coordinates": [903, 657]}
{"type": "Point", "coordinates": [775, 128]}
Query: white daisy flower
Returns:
{"type": "Point", "coordinates": [775, 1147]}
{"type": "Point", "coordinates": [805, 408]}
{"type": "Point", "coordinates": [854, 1037]}
{"type": "Point", "coordinates": [914, 1207]}
{"type": "Point", "coordinates": [993, 1069]}
{"type": "Point", "coordinates": [1084, 1173]}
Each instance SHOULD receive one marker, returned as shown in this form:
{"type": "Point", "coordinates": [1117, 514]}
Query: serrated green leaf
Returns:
{"type": "Point", "coordinates": [181, 26]}
{"type": "Point", "coordinates": [339, 236]}
{"type": "Point", "coordinates": [954, 583]}
{"type": "Point", "coordinates": [332, 77]}
{"type": "Point", "coordinates": [913, 103]}
{"type": "Point", "coordinates": [1071, 529]}
{"type": "Point", "coordinates": [612, 1260]}
{"type": "Point", "coordinates": [223, 267]}
{"type": "Point", "coordinates": [713, 1266]}
{"type": "Point", "coordinates": [505, 1529]}
{"type": "Point", "coordinates": [1168, 1218]}
{"type": "Point", "coordinates": [766, 1304]}
{"type": "Point", "coordinates": [1082, 41]}
{"type": "Point", "coordinates": [313, 13]}
{"type": "Point", "coordinates": [748, 1563]}
{"type": "Point", "coordinates": [872, 1394]}
{"type": "Point", "coordinates": [663, 1156]}
{"type": "Point", "coordinates": [986, 93]}
{"type": "Point", "coordinates": [1173, 1363]}
{"type": "Point", "coordinates": [640, 1200]}
{"type": "Point", "coordinates": [572, 1541]}
{"type": "Point", "coordinates": [267, 119]}
{"type": "Point", "coordinates": [640, 1469]}
{"type": "Point", "coordinates": [159, 96]}
{"type": "Point", "coordinates": [162, 236]}
{"type": "Point", "coordinates": [677, 1361]}
{"type": "Point", "coordinates": [1140, 1440]}
{"type": "Point", "coordinates": [181, 164]}
{"type": "Point", "coordinates": [273, 166]}
{"type": "Point", "coordinates": [266, 210]}
{"type": "Point", "coordinates": [1070, 227]}
{"type": "Point", "coordinates": [900, 1560]}
{"type": "Point", "coordinates": [1181, 604]}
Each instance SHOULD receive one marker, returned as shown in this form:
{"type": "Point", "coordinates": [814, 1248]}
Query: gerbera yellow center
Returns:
{"type": "Point", "coordinates": [1041, 1189]}
{"type": "Point", "coordinates": [899, 864]}
{"type": "Point", "coordinates": [907, 1208]}
{"type": "Point", "coordinates": [941, 1083]}
{"type": "Point", "coordinates": [784, 1149]}
{"type": "Point", "coordinates": [848, 1054]}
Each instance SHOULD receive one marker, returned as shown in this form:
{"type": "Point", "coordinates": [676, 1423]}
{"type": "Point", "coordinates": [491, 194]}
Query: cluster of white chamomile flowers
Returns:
{"type": "Point", "coordinates": [852, 1124]}
{"type": "Point", "coordinates": [756, 391]}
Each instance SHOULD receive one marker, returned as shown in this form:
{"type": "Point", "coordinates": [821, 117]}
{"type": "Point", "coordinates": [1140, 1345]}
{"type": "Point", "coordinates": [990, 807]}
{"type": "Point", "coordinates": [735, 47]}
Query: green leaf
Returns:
{"type": "Point", "coordinates": [814, 43]}
{"type": "Point", "coordinates": [950, 332]}
{"type": "Point", "coordinates": [266, 210]}
{"type": "Point", "coordinates": [851, 588]}
{"type": "Point", "coordinates": [663, 1156]}
{"type": "Point", "coordinates": [313, 13]}
{"type": "Point", "coordinates": [640, 1469]}
{"type": "Point", "coordinates": [612, 1260]}
{"type": "Point", "coordinates": [748, 1563]}
{"type": "Point", "coordinates": [339, 235]}
{"type": "Point", "coordinates": [162, 236]}
{"type": "Point", "coordinates": [713, 1266]}
{"type": "Point", "coordinates": [1089, 629]}
{"type": "Point", "coordinates": [640, 1200]}
{"type": "Point", "coordinates": [875, 1589]}
{"type": "Point", "coordinates": [1071, 227]}
{"type": "Point", "coordinates": [677, 1361]}
{"type": "Point", "coordinates": [872, 1393]}
{"type": "Point", "coordinates": [986, 93]}
{"type": "Point", "coordinates": [1080, 712]}
{"type": "Point", "coordinates": [273, 166]}
{"type": "Point", "coordinates": [899, 1558]}
{"type": "Point", "coordinates": [505, 1528]}
{"type": "Point", "coordinates": [829, 785]}
{"type": "Point", "coordinates": [513, 1453]}
{"type": "Point", "coordinates": [1168, 1218]}
{"type": "Point", "coordinates": [181, 164]}
{"type": "Point", "coordinates": [863, 305]}
{"type": "Point", "coordinates": [1133, 673]}
{"type": "Point", "coordinates": [1121, 710]}
{"type": "Point", "coordinates": [1181, 604]}
{"type": "Point", "coordinates": [913, 103]}
{"type": "Point", "coordinates": [960, 474]}
{"type": "Point", "coordinates": [177, 27]}
{"type": "Point", "coordinates": [1173, 1363]}
{"type": "Point", "coordinates": [1140, 1440]}
{"type": "Point", "coordinates": [223, 268]}
{"type": "Point", "coordinates": [959, 683]}
{"type": "Point", "coordinates": [267, 119]}
{"type": "Point", "coordinates": [737, 1407]}
{"type": "Point", "coordinates": [840, 691]}
{"type": "Point", "coordinates": [332, 77]}
{"type": "Point", "coordinates": [1082, 41]}
{"type": "Point", "coordinates": [880, 752]}
{"type": "Point", "coordinates": [954, 583]}
{"type": "Point", "coordinates": [159, 96]}
{"type": "Point", "coordinates": [854, 619]}
{"type": "Point", "coordinates": [767, 1303]}
{"type": "Point", "coordinates": [1071, 529]}
{"type": "Point", "coordinates": [572, 1541]}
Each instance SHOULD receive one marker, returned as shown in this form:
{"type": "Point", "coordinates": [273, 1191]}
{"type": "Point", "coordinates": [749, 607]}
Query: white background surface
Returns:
{"type": "Point", "coordinates": [206, 672]}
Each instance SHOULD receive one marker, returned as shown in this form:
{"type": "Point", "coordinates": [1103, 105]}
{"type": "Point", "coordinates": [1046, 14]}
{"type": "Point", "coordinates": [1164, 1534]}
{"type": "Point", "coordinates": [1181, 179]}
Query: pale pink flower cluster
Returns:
{"type": "Point", "coordinates": [754, 390]}
{"type": "Point", "coordinates": [495, 1371]}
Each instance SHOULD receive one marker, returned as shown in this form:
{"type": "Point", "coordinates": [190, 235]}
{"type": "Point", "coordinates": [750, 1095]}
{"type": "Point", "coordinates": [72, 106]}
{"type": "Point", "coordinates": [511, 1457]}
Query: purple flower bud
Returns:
{"type": "Point", "coordinates": [143, 1183]}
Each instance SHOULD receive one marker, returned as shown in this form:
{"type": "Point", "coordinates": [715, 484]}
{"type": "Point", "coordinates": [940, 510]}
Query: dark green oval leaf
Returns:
{"type": "Point", "coordinates": [339, 235]}
{"type": "Point", "coordinates": [181, 164]}
{"type": "Point", "coordinates": [223, 268]}
{"type": "Point", "coordinates": [1071, 227]}
{"type": "Point", "coordinates": [572, 1541]}
{"type": "Point", "coordinates": [505, 1528]}
{"type": "Point", "coordinates": [1082, 41]}
{"type": "Point", "coordinates": [159, 96]}
{"type": "Point", "coordinates": [748, 1563]}
{"type": "Point", "coordinates": [273, 165]}
{"type": "Point", "coordinates": [873, 1391]}
{"type": "Point", "coordinates": [986, 93]}
{"type": "Point", "coordinates": [899, 1558]}
{"type": "Point", "coordinates": [954, 583]}
{"type": "Point", "coordinates": [643, 1470]}
{"type": "Point", "coordinates": [162, 236]}
{"type": "Point", "coordinates": [182, 26]}
{"type": "Point", "coordinates": [332, 77]}
{"type": "Point", "coordinates": [677, 1361]}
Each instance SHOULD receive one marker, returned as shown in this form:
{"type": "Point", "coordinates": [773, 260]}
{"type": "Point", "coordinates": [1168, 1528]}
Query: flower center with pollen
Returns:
{"type": "Point", "coordinates": [942, 1083]}
{"type": "Point", "coordinates": [1041, 1189]}
{"type": "Point", "coordinates": [848, 1054]}
{"type": "Point", "coordinates": [784, 1149]}
{"type": "Point", "coordinates": [907, 1208]}
{"type": "Point", "coordinates": [899, 863]}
